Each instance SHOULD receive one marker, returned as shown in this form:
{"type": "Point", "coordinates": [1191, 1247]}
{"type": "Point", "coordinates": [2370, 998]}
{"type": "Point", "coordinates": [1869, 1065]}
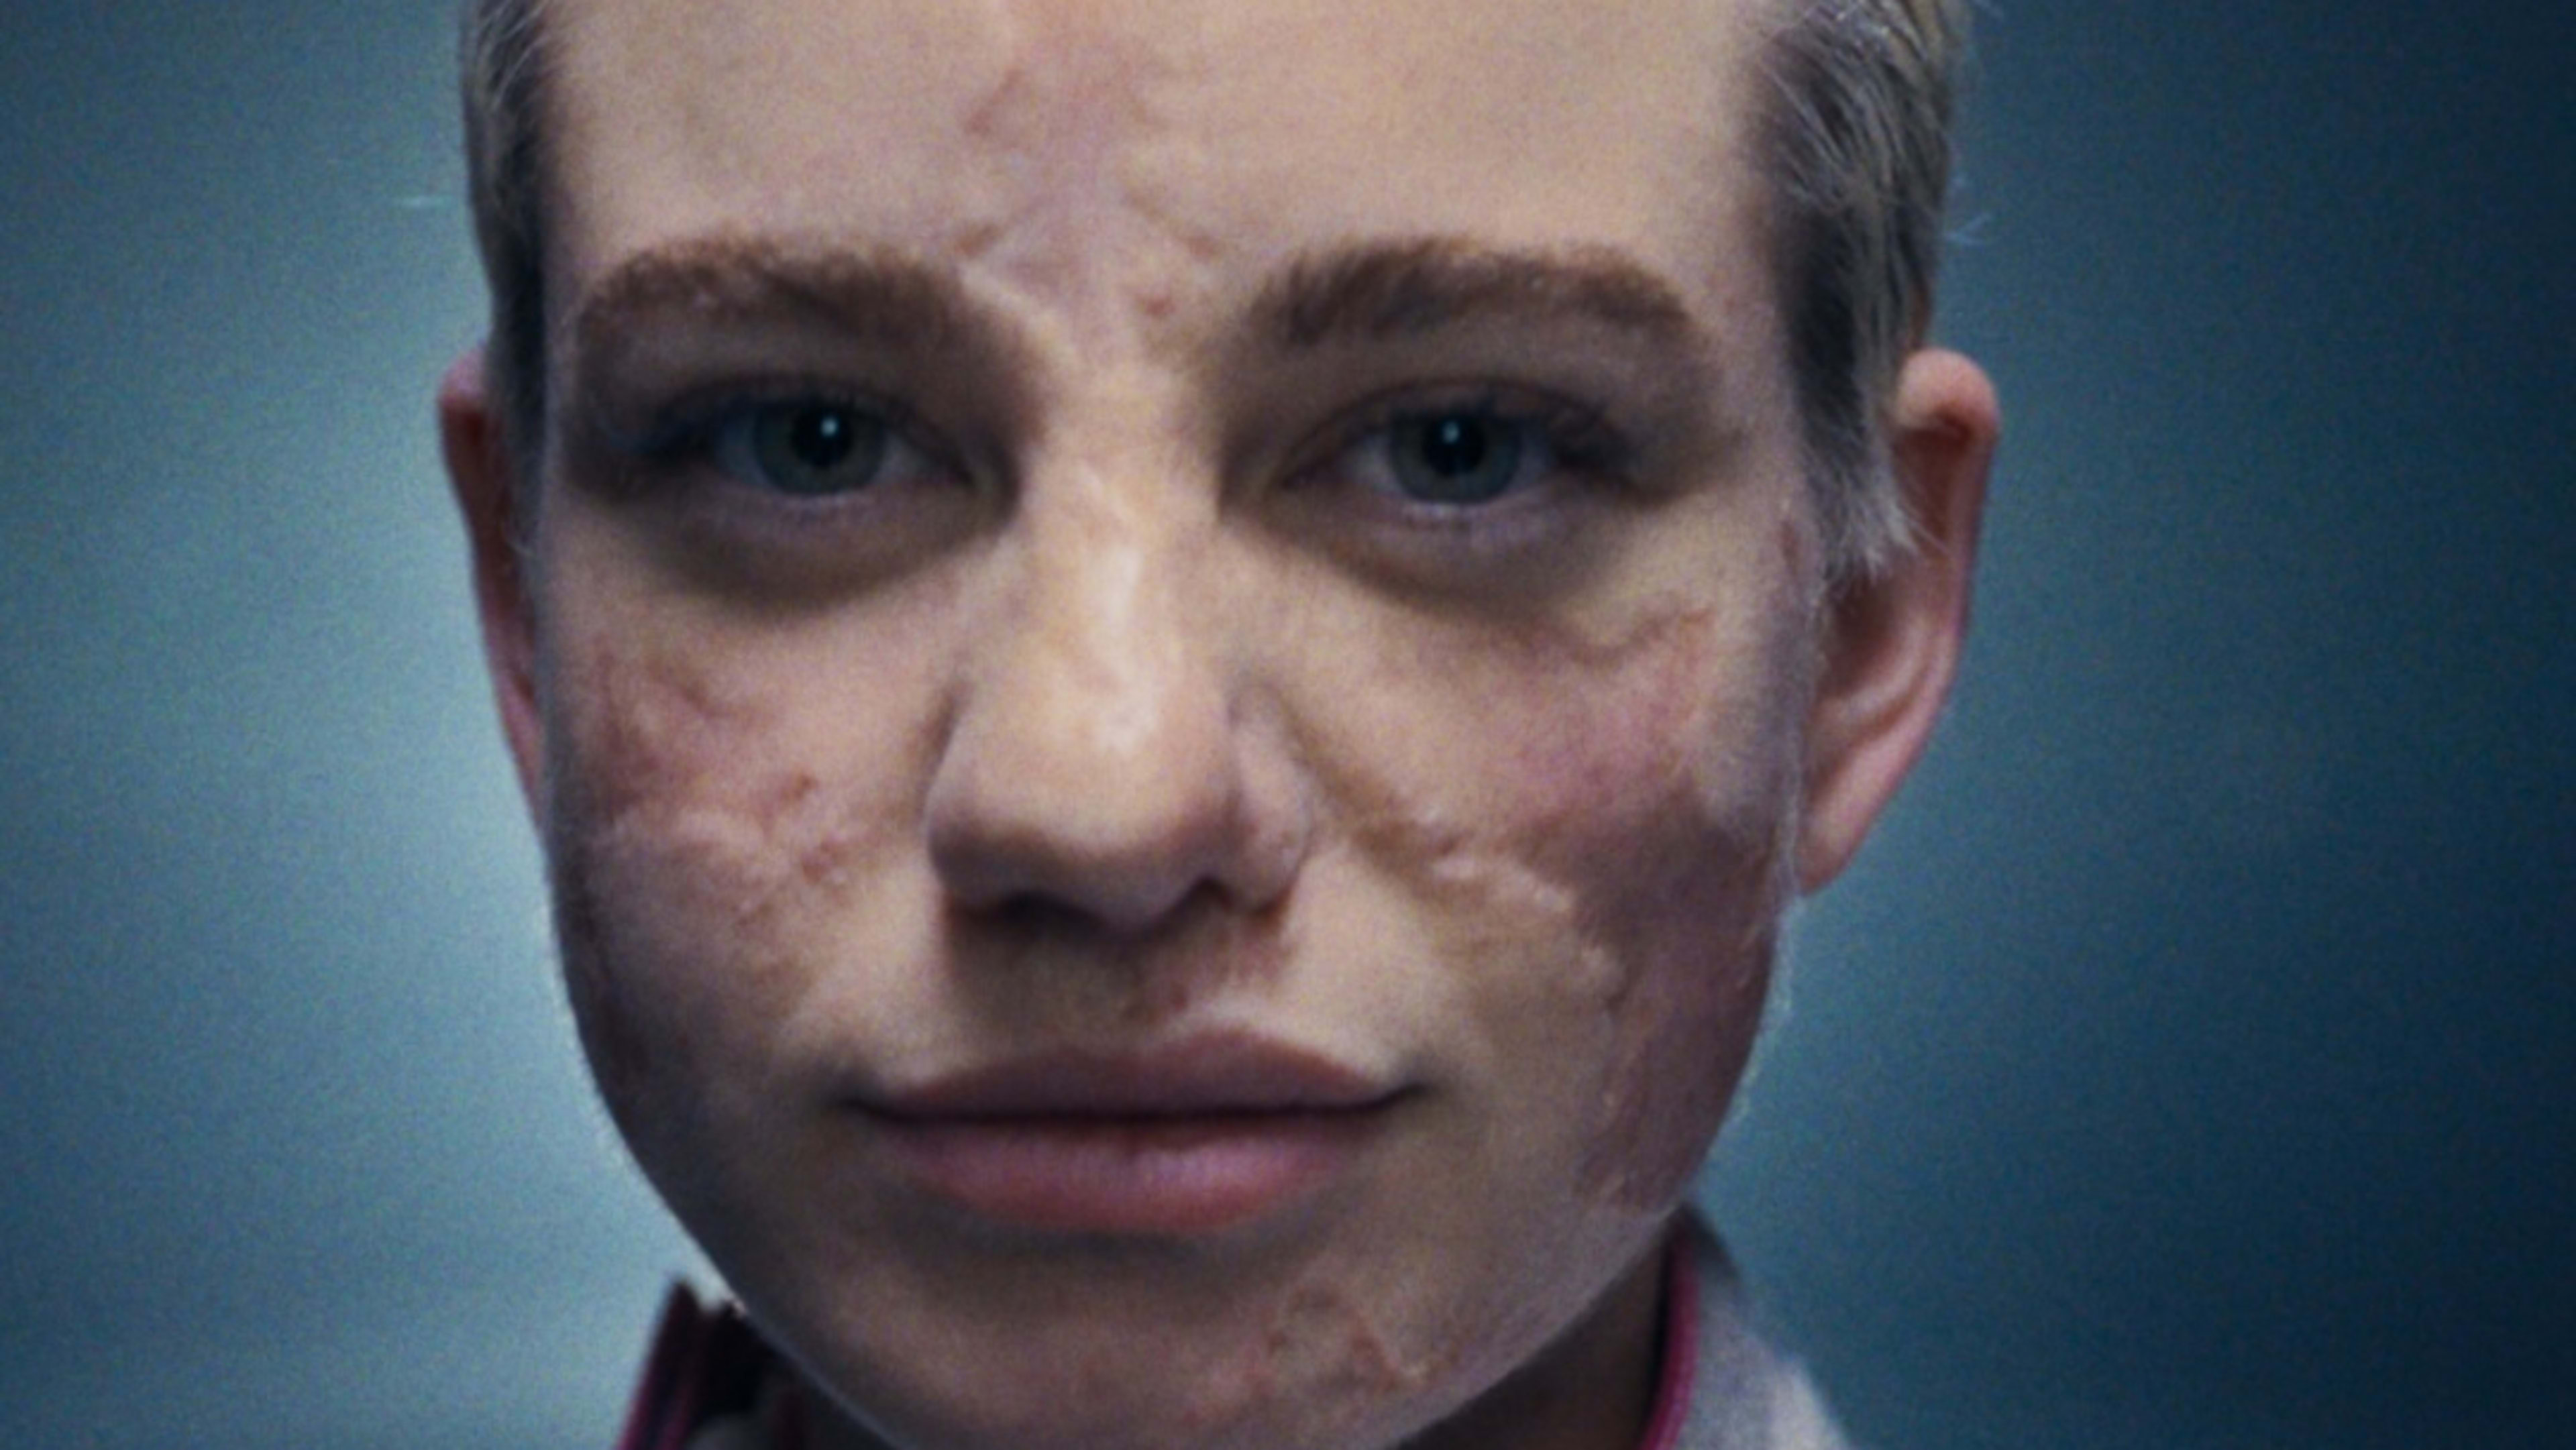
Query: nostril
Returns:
{"type": "Point", "coordinates": [1026, 914]}
{"type": "Point", "coordinates": [1117, 849]}
{"type": "Point", "coordinates": [1031, 915]}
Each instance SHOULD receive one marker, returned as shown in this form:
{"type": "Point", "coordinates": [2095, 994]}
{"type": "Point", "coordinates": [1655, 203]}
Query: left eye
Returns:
{"type": "Point", "coordinates": [1460, 456]}
{"type": "Point", "coordinates": [805, 449]}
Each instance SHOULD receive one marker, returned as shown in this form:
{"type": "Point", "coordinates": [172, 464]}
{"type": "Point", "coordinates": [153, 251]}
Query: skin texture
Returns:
{"type": "Point", "coordinates": [1128, 709]}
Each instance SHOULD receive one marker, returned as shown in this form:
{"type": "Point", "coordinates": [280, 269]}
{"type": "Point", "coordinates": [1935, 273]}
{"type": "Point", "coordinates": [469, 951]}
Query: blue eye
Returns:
{"type": "Point", "coordinates": [1463, 456]}
{"type": "Point", "coordinates": [808, 448]}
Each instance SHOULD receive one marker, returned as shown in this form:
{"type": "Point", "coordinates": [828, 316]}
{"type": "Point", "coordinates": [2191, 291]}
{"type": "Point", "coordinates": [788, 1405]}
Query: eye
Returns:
{"type": "Point", "coordinates": [1470, 450]}
{"type": "Point", "coordinates": [1461, 456]}
{"type": "Point", "coordinates": [805, 448]}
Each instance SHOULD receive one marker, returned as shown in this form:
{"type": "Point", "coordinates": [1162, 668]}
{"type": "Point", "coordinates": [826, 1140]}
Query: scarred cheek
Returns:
{"type": "Point", "coordinates": [1648, 776]}
{"type": "Point", "coordinates": [1507, 784]}
{"type": "Point", "coordinates": [1600, 851]}
{"type": "Point", "coordinates": [1688, 884]}
{"type": "Point", "coordinates": [657, 758]}
{"type": "Point", "coordinates": [686, 843]}
{"type": "Point", "coordinates": [1674, 722]}
{"type": "Point", "coordinates": [1699, 953]}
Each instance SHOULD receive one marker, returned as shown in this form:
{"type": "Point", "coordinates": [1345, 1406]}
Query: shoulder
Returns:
{"type": "Point", "coordinates": [1742, 1393]}
{"type": "Point", "coordinates": [711, 1383]}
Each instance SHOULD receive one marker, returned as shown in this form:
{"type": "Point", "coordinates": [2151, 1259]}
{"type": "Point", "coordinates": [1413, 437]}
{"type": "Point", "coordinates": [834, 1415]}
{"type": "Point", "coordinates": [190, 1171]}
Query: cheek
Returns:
{"type": "Point", "coordinates": [707, 846]}
{"type": "Point", "coordinates": [668, 871]}
{"type": "Point", "coordinates": [1668, 785]}
{"type": "Point", "coordinates": [1595, 851]}
{"type": "Point", "coordinates": [1698, 951]}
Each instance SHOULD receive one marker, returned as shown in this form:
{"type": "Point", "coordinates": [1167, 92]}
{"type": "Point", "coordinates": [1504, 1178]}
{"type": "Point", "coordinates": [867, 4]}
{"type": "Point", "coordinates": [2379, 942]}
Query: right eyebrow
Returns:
{"type": "Point", "coordinates": [882, 297]}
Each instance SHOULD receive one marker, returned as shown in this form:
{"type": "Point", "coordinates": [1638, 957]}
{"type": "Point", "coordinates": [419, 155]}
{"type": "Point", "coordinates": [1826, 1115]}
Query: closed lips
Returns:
{"type": "Point", "coordinates": [1189, 1141]}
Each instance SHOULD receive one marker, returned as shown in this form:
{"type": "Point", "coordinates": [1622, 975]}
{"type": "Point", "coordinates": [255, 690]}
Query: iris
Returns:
{"type": "Point", "coordinates": [813, 449]}
{"type": "Point", "coordinates": [1456, 457]}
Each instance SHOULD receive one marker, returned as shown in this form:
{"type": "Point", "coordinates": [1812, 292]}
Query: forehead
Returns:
{"type": "Point", "coordinates": [1043, 136]}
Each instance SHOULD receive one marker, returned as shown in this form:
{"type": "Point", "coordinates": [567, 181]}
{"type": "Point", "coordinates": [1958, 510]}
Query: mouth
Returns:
{"type": "Point", "coordinates": [1188, 1140]}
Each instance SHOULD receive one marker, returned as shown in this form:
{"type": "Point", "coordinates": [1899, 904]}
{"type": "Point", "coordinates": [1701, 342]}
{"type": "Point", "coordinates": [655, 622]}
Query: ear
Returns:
{"type": "Point", "coordinates": [1893, 639]}
{"type": "Point", "coordinates": [483, 475]}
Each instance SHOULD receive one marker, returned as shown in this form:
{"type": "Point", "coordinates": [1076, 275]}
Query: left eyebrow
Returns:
{"type": "Point", "coordinates": [1380, 291]}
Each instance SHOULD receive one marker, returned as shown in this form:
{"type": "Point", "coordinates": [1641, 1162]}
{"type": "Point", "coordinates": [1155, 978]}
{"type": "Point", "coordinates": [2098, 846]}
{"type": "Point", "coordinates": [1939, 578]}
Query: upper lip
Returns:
{"type": "Point", "coordinates": [1210, 1075]}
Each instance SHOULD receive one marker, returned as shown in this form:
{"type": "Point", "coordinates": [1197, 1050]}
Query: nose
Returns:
{"type": "Point", "coordinates": [1095, 763]}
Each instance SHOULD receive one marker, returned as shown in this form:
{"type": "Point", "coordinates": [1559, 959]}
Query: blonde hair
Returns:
{"type": "Point", "coordinates": [1855, 148]}
{"type": "Point", "coordinates": [1856, 151]}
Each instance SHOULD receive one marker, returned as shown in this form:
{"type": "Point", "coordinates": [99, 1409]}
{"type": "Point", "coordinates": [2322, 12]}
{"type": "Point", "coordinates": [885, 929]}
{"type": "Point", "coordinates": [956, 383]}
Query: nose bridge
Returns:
{"type": "Point", "coordinates": [1093, 762]}
{"type": "Point", "coordinates": [1097, 650]}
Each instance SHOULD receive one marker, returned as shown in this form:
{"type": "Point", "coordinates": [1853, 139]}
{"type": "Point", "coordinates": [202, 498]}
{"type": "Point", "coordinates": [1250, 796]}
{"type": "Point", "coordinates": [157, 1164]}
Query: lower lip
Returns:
{"type": "Point", "coordinates": [1126, 1176]}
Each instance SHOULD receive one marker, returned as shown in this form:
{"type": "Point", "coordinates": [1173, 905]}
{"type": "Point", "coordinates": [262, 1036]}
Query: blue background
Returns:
{"type": "Point", "coordinates": [2191, 1062]}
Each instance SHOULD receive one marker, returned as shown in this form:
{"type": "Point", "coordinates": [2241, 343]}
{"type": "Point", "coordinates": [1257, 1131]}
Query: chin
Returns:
{"type": "Point", "coordinates": [1139, 1399]}
{"type": "Point", "coordinates": [1135, 1347]}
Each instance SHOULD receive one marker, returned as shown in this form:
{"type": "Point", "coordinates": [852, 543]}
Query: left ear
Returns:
{"type": "Point", "coordinates": [483, 473]}
{"type": "Point", "coordinates": [1893, 639]}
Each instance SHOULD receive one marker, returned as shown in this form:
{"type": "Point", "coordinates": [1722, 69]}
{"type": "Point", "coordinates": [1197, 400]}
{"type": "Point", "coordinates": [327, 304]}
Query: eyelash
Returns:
{"type": "Point", "coordinates": [1556, 442]}
{"type": "Point", "coordinates": [693, 459]}
{"type": "Point", "coordinates": [693, 427]}
{"type": "Point", "coordinates": [1558, 450]}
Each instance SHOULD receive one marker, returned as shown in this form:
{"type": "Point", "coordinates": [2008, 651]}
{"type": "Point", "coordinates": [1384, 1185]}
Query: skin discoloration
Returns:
{"type": "Point", "coordinates": [1144, 696]}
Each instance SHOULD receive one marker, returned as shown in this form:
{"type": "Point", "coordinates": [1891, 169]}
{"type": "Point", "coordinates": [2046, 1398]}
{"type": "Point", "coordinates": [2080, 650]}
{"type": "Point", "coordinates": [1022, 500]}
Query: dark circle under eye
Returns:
{"type": "Point", "coordinates": [1455, 458]}
{"type": "Point", "coordinates": [817, 448]}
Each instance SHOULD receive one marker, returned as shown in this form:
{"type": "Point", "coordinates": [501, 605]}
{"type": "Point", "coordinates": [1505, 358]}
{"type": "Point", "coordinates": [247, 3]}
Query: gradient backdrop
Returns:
{"type": "Point", "coordinates": [2190, 1063]}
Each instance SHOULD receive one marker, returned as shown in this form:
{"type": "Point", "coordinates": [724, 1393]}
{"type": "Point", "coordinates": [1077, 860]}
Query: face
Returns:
{"type": "Point", "coordinates": [1169, 649]}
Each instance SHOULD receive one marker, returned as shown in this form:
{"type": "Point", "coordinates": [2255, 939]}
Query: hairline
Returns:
{"type": "Point", "coordinates": [1853, 198]}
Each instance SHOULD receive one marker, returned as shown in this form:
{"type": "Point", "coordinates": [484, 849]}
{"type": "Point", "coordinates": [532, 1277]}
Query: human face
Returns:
{"type": "Point", "coordinates": [1169, 652]}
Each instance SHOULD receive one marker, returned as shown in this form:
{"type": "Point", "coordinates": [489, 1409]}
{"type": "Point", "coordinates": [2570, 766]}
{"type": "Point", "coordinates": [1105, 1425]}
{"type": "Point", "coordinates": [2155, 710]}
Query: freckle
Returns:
{"type": "Point", "coordinates": [1002, 107]}
{"type": "Point", "coordinates": [974, 240]}
{"type": "Point", "coordinates": [793, 791]}
{"type": "Point", "coordinates": [826, 863]}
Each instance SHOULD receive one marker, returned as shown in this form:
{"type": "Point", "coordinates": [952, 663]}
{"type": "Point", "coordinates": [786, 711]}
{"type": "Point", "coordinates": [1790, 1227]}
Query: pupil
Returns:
{"type": "Point", "coordinates": [1453, 446]}
{"type": "Point", "coordinates": [821, 437]}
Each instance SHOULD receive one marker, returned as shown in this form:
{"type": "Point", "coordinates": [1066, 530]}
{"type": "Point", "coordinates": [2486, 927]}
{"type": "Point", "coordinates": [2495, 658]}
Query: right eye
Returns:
{"type": "Point", "coordinates": [803, 448]}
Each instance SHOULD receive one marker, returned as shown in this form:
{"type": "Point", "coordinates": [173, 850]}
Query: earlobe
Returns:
{"type": "Point", "coordinates": [482, 474]}
{"type": "Point", "coordinates": [1893, 640]}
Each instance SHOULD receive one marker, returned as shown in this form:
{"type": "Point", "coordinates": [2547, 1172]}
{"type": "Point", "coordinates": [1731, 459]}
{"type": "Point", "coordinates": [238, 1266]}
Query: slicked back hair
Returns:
{"type": "Point", "coordinates": [1855, 150]}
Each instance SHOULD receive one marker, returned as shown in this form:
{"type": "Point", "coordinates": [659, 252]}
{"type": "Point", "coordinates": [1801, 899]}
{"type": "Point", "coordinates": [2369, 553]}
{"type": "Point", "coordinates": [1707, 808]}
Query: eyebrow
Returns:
{"type": "Point", "coordinates": [881, 296]}
{"type": "Point", "coordinates": [1357, 293]}
{"type": "Point", "coordinates": [1377, 292]}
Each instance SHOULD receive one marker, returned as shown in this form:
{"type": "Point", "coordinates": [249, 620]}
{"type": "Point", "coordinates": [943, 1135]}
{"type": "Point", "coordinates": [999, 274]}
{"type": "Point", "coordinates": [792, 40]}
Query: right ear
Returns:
{"type": "Point", "coordinates": [489, 493]}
